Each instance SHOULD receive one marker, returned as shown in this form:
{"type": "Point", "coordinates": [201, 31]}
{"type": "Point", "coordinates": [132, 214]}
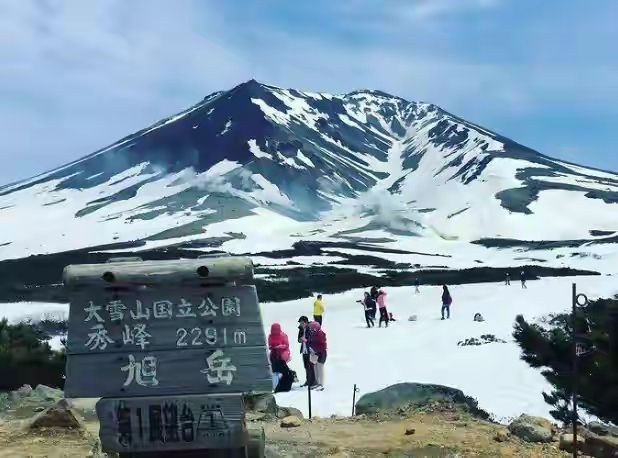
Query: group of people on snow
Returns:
{"type": "Point", "coordinates": [522, 277]}
{"type": "Point", "coordinates": [372, 302]}
{"type": "Point", "coordinates": [312, 340]}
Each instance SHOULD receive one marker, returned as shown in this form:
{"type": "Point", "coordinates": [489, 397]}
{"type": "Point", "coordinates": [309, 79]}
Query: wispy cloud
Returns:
{"type": "Point", "coordinates": [75, 75]}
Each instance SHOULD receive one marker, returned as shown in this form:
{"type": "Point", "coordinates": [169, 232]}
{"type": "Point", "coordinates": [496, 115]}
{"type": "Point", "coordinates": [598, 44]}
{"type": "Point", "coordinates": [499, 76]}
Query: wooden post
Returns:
{"type": "Point", "coordinates": [309, 396]}
{"type": "Point", "coordinates": [574, 375]}
{"type": "Point", "coordinates": [354, 399]}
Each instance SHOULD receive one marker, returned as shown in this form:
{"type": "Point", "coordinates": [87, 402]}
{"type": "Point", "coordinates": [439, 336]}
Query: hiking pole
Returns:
{"type": "Point", "coordinates": [356, 390]}
{"type": "Point", "coordinates": [309, 396]}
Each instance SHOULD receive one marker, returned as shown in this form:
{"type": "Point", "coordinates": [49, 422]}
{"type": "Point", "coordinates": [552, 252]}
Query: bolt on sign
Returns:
{"type": "Point", "coordinates": [163, 330]}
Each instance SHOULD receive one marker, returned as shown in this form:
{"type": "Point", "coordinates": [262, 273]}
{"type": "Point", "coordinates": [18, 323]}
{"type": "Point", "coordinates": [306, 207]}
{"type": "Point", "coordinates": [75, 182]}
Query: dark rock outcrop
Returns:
{"type": "Point", "coordinates": [408, 396]}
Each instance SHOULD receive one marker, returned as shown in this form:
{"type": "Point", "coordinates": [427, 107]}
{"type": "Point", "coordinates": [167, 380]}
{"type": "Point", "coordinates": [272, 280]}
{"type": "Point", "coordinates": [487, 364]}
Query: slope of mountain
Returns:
{"type": "Point", "coordinates": [258, 167]}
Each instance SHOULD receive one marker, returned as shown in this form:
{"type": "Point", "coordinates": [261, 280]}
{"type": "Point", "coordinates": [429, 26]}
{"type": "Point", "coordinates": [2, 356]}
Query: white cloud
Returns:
{"type": "Point", "coordinates": [76, 76]}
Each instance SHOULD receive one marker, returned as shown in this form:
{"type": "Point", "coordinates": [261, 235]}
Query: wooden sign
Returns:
{"type": "Point", "coordinates": [220, 370]}
{"type": "Point", "coordinates": [154, 328]}
{"type": "Point", "coordinates": [166, 424]}
{"type": "Point", "coordinates": [163, 319]}
{"type": "Point", "coordinates": [208, 271]}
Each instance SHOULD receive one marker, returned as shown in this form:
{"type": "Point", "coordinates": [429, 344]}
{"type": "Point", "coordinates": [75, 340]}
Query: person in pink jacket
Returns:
{"type": "Point", "coordinates": [381, 300]}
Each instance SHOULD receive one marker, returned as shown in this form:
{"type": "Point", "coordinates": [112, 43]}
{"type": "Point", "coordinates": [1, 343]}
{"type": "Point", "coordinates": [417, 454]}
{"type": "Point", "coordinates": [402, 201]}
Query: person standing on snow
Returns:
{"type": "Point", "coordinates": [507, 281]}
{"type": "Point", "coordinates": [416, 285]}
{"type": "Point", "coordinates": [447, 300]}
{"type": "Point", "coordinates": [303, 331]}
{"type": "Point", "coordinates": [523, 279]}
{"type": "Point", "coordinates": [318, 309]}
{"type": "Point", "coordinates": [279, 347]}
{"type": "Point", "coordinates": [317, 353]}
{"type": "Point", "coordinates": [369, 306]}
{"type": "Point", "coordinates": [382, 306]}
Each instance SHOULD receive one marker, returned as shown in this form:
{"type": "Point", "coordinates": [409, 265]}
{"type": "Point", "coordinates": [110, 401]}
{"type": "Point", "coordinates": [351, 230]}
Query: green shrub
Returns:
{"type": "Point", "coordinates": [26, 357]}
{"type": "Point", "coordinates": [549, 347]}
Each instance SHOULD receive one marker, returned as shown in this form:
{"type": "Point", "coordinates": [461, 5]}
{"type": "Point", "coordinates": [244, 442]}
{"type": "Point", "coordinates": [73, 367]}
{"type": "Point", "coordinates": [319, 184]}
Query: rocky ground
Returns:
{"type": "Point", "coordinates": [39, 423]}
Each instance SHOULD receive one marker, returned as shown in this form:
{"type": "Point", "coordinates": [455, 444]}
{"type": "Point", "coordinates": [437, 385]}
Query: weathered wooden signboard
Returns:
{"type": "Point", "coordinates": [145, 424]}
{"type": "Point", "coordinates": [164, 337]}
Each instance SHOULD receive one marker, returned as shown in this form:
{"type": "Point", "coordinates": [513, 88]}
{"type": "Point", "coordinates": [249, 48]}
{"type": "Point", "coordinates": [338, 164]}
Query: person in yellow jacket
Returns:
{"type": "Point", "coordinates": [318, 309]}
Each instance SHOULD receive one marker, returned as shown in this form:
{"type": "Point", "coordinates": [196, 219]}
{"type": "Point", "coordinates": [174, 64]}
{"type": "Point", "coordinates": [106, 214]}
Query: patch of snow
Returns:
{"type": "Point", "coordinates": [271, 113]}
{"type": "Point", "coordinates": [301, 157]}
{"type": "Point", "coordinates": [269, 192]}
{"type": "Point", "coordinates": [255, 149]}
{"type": "Point", "coordinates": [226, 128]}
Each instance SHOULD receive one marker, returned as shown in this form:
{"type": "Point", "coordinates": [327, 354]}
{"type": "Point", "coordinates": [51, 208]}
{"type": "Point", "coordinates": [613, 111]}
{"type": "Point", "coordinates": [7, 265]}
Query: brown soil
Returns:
{"type": "Point", "coordinates": [436, 435]}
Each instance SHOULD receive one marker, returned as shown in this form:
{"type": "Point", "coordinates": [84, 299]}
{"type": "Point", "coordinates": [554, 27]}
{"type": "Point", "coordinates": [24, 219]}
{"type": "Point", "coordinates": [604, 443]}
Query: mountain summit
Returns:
{"type": "Point", "coordinates": [258, 158]}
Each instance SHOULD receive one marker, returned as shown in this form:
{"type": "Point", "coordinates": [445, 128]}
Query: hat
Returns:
{"type": "Point", "coordinates": [303, 318]}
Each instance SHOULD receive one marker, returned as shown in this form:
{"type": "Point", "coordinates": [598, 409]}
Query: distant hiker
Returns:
{"type": "Point", "coordinates": [523, 279]}
{"type": "Point", "coordinates": [303, 337]}
{"type": "Point", "coordinates": [317, 353]}
{"type": "Point", "coordinates": [318, 309]}
{"type": "Point", "coordinates": [507, 280]}
{"type": "Point", "coordinates": [369, 306]}
{"type": "Point", "coordinates": [390, 317]}
{"type": "Point", "coordinates": [382, 306]}
{"type": "Point", "coordinates": [447, 300]}
{"type": "Point", "coordinates": [416, 285]}
{"type": "Point", "coordinates": [279, 347]}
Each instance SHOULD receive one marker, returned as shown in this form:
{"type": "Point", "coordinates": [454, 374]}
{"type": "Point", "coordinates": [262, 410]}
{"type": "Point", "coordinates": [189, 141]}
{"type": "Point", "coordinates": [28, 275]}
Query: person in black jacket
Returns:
{"type": "Point", "coordinates": [369, 305]}
{"type": "Point", "coordinates": [303, 329]}
{"type": "Point", "coordinates": [447, 300]}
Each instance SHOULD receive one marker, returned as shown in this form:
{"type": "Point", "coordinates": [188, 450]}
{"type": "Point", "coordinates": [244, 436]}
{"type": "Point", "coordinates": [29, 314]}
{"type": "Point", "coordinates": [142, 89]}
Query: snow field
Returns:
{"type": "Point", "coordinates": [423, 351]}
{"type": "Point", "coordinates": [426, 351]}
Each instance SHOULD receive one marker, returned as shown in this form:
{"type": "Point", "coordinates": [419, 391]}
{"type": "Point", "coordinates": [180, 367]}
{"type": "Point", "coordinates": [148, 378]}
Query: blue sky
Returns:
{"type": "Point", "coordinates": [76, 75]}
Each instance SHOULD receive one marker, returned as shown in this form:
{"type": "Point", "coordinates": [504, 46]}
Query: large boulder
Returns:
{"type": "Point", "coordinates": [60, 415]}
{"type": "Point", "coordinates": [265, 403]}
{"type": "Point", "coordinates": [601, 446]}
{"type": "Point", "coordinates": [566, 442]}
{"type": "Point", "coordinates": [46, 393]}
{"type": "Point", "coordinates": [22, 392]}
{"type": "Point", "coordinates": [283, 412]}
{"type": "Point", "coordinates": [404, 396]}
{"type": "Point", "coordinates": [291, 422]}
{"type": "Point", "coordinates": [532, 429]}
{"type": "Point", "coordinates": [602, 429]}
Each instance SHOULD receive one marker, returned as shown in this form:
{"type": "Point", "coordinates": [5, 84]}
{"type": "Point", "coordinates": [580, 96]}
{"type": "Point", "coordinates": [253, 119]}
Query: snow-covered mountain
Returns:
{"type": "Point", "coordinates": [258, 167]}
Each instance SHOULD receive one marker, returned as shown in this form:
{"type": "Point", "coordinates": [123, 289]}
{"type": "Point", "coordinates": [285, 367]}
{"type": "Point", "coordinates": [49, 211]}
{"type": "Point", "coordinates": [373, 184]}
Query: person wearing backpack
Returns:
{"type": "Point", "coordinates": [447, 300]}
{"type": "Point", "coordinates": [317, 356]}
{"type": "Point", "coordinates": [279, 347]}
{"type": "Point", "coordinates": [381, 300]}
